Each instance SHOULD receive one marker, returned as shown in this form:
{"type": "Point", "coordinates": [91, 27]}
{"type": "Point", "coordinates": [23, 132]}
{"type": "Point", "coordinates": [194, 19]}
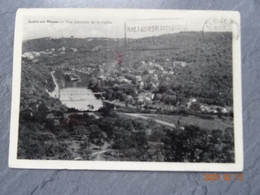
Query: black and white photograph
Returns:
{"type": "Point", "coordinates": [127, 90]}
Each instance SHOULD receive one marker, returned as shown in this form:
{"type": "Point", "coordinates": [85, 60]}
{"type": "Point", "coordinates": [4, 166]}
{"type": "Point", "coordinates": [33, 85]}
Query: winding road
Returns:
{"type": "Point", "coordinates": [137, 115]}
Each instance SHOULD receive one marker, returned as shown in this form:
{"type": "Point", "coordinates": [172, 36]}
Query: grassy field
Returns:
{"type": "Point", "coordinates": [206, 124]}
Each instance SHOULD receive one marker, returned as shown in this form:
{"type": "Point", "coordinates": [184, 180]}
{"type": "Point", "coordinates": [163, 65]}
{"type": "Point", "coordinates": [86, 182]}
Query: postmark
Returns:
{"type": "Point", "coordinates": [221, 24]}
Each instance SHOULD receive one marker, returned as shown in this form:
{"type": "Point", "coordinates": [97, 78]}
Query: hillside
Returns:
{"type": "Point", "coordinates": [207, 76]}
{"type": "Point", "coordinates": [183, 74]}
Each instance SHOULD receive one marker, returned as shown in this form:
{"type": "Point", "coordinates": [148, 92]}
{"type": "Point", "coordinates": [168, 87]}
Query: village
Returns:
{"type": "Point", "coordinates": [137, 86]}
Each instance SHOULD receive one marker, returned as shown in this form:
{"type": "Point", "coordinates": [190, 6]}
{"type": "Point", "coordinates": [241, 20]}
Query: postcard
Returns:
{"type": "Point", "coordinates": [127, 89]}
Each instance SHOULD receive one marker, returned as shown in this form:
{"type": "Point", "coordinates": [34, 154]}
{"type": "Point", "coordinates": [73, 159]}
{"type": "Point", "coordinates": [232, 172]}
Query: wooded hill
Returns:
{"type": "Point", "coordinates": [207, 76]}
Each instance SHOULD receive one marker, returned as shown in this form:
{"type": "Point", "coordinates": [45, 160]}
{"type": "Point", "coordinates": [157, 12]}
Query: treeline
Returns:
{"type": "Point", "coordinates": [196, 145]}
{"type": "Point", "coordinates": [129, 139]}
{"type": "Point", "coordinates": [35, 104]}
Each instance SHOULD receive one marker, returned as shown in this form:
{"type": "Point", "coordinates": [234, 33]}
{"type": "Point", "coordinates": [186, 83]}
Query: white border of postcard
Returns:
{"type": "Point", "coordinates": [126, 165]}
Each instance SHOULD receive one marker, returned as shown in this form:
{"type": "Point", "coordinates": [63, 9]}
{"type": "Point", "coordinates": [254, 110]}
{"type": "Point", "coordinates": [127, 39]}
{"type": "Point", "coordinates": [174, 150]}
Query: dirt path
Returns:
{"type": "Point", "coordinates": [99, 155]}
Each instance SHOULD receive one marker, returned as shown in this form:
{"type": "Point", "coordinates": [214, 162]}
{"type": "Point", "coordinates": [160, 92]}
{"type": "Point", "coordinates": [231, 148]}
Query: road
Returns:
{"type": "Point", "coordinates": [137, 115]}
{"type": "Point", "coordinates": [120, 104]}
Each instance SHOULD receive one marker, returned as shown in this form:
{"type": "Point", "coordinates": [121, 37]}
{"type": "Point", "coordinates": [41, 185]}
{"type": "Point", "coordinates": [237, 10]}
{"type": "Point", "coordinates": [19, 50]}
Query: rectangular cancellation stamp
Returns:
{"type": "Point", "coordinates": [146, 34]}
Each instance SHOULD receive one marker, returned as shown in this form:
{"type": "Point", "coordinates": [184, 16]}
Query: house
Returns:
{"type": "Point", "coordinates": [179, 63]}
{"type": "Point", "coordinates": [190, 102]}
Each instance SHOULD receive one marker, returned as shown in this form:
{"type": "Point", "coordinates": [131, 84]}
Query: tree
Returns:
{"type": "Point", "coordinates": [128, 99]}
{"type": "Point", "coordinates": [96, 135]}
{"type": "Point", "coordinates": [163, 87]}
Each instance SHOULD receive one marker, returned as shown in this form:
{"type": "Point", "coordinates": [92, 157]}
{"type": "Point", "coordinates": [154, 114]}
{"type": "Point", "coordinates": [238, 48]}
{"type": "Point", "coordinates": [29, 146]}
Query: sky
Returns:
{"type": "Point", "coordinates": [114, 26]}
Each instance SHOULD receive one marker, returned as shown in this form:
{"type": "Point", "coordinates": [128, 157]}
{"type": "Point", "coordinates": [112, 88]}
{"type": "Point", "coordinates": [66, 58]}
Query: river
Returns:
{"type": "Point", "coordinates": [73, 95]}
